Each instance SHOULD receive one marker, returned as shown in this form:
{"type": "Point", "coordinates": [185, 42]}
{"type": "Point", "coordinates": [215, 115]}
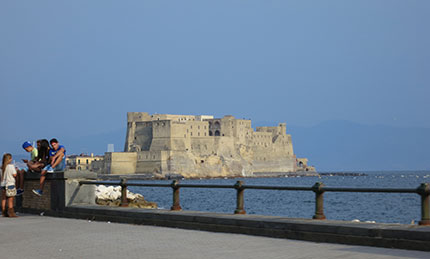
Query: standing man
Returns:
{"type": "Point", "coordinates": [57, 159]}
{"type": "Point", "coordinates": [27, 146]}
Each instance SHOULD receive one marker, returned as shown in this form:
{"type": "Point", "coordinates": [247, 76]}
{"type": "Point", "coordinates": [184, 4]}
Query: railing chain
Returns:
{"type": "Point", "coordinates": [318, 188]}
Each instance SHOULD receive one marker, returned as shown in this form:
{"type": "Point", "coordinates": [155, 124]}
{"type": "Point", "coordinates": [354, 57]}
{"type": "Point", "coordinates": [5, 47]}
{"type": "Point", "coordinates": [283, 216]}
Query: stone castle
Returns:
{"type": "Point", "coordinates": [202, 146]}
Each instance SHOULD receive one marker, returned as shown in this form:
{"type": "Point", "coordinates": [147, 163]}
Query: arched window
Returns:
{"type": "Point", "coordinates": [217, 133]}
{"type": "Point", "coordinates": [217, 124]}
{"type": "Point", "coordinates": [210, 133]}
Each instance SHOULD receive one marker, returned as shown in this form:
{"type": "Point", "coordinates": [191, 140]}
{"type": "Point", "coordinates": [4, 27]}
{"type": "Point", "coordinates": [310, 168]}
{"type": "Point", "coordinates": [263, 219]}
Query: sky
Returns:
{"type": "Point", "coordinates": [75, 68]}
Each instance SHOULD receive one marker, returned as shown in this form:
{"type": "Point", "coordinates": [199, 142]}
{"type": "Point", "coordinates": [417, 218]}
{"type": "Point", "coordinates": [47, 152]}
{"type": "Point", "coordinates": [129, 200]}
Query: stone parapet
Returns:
{"type": "Point", "coordinates": [61, 189]}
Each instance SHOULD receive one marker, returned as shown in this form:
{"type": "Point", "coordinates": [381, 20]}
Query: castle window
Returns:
{"type": "Point", "coordinates": [198, 134]}
{"type": "Point", "coordinates": [87, 161]}
{"type": "Point", "coordinates": [217, 124]}
{"type": "Point", "coordinates": [191, 134]}
{"type": "Point", "coordinates": [210, 133]}
{"type": "Point", "coordinates": [217, 133]}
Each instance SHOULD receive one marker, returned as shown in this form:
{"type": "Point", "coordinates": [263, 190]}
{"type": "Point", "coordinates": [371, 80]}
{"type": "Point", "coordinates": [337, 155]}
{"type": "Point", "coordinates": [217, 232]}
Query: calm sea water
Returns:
{"type": "Point", "coordinates": [379, 207]}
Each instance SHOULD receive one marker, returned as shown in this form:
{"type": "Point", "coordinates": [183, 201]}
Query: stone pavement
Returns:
{"type": "Point", "coordinates": [33, 236]}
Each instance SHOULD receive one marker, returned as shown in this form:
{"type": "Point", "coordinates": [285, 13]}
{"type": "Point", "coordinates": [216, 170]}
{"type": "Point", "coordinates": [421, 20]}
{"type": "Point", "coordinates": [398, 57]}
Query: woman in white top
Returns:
{"type": "Point", "coordinates": [8, 174]}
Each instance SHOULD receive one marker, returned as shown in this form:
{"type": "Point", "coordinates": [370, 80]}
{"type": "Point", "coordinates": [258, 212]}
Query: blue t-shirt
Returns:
{"type": "Point", "coordinates": [53, 152]}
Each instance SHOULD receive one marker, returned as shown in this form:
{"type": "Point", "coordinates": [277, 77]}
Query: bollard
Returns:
{"type": "Point", "coordinates": [124, 201]}
{"type": "Point", "coordinates": [239, 208]}
{"type": "Point", "coordinates": [319, 201]}
{"type": "Point", "coordinates": [175, 187]}
{"type": "Point", "coordinates": [424, 191]}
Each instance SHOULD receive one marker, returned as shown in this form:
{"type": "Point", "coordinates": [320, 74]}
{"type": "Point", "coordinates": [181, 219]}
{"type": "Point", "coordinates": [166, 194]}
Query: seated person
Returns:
{"type": "Point", "coordinates": [27, 146]}
{"type": "Point", "coordinates": [57, 162]}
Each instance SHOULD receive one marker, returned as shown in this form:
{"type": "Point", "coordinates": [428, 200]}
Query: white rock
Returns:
{"type": "Point", "coordinates": [113, 193]}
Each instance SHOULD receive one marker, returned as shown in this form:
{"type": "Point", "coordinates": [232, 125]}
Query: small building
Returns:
{"type": "Point", "coordinates": [82, 161]}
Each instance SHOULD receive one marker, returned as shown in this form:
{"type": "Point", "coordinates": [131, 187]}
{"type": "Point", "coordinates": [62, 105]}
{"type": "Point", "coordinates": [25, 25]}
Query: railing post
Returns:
{"type": "Point", "coordinates": [424, 191]}
{"type": "Point", "coordinates": [175, 187]}
{"type": "Point", "coordinates": [124, 201]}
{"type": "Point", "coordinates": [239, 208]}
{"type": "Point", "coordinates": [319, 201]}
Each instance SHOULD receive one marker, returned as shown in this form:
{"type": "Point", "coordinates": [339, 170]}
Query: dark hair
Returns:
{"type": "Point", "coordinates": [43, 152]}
{"type": "Point", "coordinates": [54, 140]}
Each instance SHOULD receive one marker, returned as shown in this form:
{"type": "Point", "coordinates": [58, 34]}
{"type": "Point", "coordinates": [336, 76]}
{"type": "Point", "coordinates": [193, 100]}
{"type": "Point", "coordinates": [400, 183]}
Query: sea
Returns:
{"type": "Point", "coordinates": [404, 208]}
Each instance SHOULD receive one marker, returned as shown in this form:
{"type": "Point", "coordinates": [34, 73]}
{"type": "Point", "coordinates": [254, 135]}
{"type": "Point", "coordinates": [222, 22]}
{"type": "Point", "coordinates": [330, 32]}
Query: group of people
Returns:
{"type": "Point", "coordinates": [47, 157]}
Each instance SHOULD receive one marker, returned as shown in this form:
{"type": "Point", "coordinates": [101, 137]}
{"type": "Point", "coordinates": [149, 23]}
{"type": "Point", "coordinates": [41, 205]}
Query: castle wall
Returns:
{"type": "Point", "coordinates": [275, 166]}
{"type": "Point", "coordinates": [161, 135]}
{"type": "Point", "coordinates": [134, 118]}
{"type": "Point", "coordinates": [153, 162]}
{"type": "Point", "coordinates": [120, 162]}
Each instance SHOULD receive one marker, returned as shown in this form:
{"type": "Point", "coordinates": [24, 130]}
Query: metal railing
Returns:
{"type": "Point", "coordinates": [318, 188]}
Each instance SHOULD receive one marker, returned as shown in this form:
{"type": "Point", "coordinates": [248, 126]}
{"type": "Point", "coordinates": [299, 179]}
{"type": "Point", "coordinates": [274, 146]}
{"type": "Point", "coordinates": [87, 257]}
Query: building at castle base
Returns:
{"type": "Point", "coordinates": [201, 146]}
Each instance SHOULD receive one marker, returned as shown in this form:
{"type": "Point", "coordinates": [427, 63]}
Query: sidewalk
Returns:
{"type": "Point", "coordinates": [32, 236]}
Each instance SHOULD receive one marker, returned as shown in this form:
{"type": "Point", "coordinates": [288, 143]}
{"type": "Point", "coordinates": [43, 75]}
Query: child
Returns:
{"type": "Point", "coordinates": [27, 146]}
{"type": "Point", "coordinates": [8, 190]}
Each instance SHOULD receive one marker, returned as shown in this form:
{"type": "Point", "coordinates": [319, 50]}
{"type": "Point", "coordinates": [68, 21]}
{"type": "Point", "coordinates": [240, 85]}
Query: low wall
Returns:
{"type": "Point", "coordinates": [61, 189]}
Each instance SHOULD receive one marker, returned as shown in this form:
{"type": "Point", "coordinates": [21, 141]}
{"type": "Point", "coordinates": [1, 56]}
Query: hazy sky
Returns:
{"type": "Point", "coordinates": [77, 67]}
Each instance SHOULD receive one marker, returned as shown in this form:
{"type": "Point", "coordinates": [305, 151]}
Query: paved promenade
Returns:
{"type": "Point", "coordinates": [32, 236]}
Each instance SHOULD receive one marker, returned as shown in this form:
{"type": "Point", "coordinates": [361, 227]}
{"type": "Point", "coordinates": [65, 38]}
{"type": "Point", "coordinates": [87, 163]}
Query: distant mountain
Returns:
{"type": "Point", "coordinates": [344, 145]}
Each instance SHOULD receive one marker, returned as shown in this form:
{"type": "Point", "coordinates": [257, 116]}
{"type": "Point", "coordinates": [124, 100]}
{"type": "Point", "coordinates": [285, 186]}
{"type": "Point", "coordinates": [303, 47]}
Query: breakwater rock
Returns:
{"type": "Point", "coordinates": [111, 196]}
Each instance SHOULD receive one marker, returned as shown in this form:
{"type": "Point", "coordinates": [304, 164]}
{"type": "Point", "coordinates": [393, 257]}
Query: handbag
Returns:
{"type": "Point", "coordinates": [10, 191]}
